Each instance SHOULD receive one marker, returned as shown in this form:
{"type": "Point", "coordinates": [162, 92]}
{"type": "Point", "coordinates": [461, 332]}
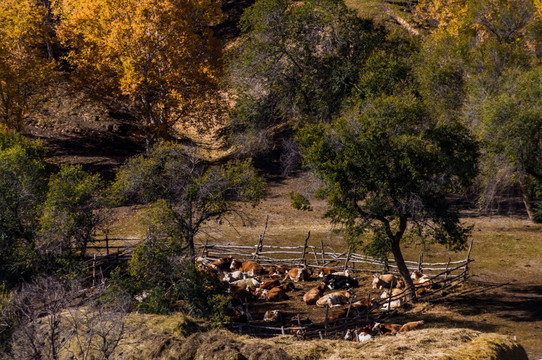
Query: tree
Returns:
{"type": "Point", "coordinates": [186, 189]}
{"type": "Point", "coordinates": [153, 57]}
{"type": "Point", "coordinates": [387, 167]}
{"type": "Point", "coordinates": [295, 63]}
{"type": "Point", "coordinates": [38, 308]}
{"type": "Point", "coordinates": [99, 327]}
{"type": "Point", "coordinates": [492, 36]}
{"type": "Point", "coordinates": [511, 127]}
{"type": "Point", "coordinates": [22, 187]}
{"type": "Point", "coordinates": [72, 211]}
{"type": "Point", "coordinates": [23, 69]}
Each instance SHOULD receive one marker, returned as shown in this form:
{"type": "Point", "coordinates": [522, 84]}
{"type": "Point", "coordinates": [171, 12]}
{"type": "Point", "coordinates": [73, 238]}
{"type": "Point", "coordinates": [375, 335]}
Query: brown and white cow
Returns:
{"type": "Point", "coordinates": [323, 271]}
{"type": "Point", "coordinates": [384, 281]}
{"type": "Point", "coordinates": [420, 277]}
{"type": "Point", "coordinates": [251, 268]}
{"type": "Point", "coordinates": [272, 316]}
{"type": "Point", "coordinates": [246, 283]}
{"type": "Point", "coordinates": [365, 334]}
{"type": "Point", "coordinates": [279, 271]}
{"type": "Point", "coordinates": [333, 299]}
{"type": "Point", "coordinates": [221, 264]}
{"type": "Point", "coordinates": [297, 274]}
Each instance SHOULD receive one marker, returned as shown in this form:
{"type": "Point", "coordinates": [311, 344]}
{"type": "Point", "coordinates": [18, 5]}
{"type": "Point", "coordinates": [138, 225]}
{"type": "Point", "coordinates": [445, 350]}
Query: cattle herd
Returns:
{"type": "Point", "coordinates": [250, 282]}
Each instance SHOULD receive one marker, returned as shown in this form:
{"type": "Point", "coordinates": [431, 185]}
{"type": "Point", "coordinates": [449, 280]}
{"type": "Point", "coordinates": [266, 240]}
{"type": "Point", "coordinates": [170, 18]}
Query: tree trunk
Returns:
{"type": "Point", "coordinates": [191, 247]}
{"type": "Point", "coordinates": [528, 196]}
{"type": "Point", "coordinates": [403, 270]}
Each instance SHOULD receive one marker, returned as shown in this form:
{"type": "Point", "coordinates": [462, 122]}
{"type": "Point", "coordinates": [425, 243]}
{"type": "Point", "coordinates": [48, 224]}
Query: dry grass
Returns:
{"type": "Point", "coordinates": [423, 344]}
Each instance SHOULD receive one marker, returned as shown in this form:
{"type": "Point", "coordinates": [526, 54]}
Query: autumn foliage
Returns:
{"type": "Point", "coordinates": [152, 56]}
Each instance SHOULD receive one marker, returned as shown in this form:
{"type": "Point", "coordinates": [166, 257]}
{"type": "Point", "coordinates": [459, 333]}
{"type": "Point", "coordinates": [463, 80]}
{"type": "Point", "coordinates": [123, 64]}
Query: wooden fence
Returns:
{"type": "Point", "coordinates": [108, 246]}
{"type": "Point", "coordinates": [316, 257]}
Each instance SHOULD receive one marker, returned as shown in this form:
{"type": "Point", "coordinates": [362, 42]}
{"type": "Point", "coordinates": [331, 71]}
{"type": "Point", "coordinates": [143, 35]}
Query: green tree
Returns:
{"type": "Point", "coordinates": [24, 70]}
{"type": "Point", "coordinates": [387, 167]}
{"type": "Point", "coordinates": [511, 128]}
{"type": "Point", "coordinates": [23, 183]}
{"type": "Point", "coordinates": [186, 191]}
{"type": "Point", "coordinates": [72, 211]}
{"type": "Point", "coordinates": [152, 57]}
{"type": "Point", "coordinates": [295, 62]}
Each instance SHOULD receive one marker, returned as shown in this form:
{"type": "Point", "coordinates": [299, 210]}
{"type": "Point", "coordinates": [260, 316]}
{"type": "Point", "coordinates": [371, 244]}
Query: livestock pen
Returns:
{"type": "Point", "coordinates": [444, 275]}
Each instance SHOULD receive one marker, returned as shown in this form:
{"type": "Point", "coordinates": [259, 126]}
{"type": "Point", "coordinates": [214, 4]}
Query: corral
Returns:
{"type": "Point", "coordinates": [311, 321]}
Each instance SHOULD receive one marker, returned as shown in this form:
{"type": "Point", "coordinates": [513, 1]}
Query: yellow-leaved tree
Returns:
{"type": "Point", "coordinates": [23, 66]}
{"type": "Point", "coordinates": [152, 57]}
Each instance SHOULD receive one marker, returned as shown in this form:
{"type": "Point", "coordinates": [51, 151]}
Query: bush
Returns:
{"type": "Point", "coordinates": [156, 303]}
{"type": "Point", "coordinates": [537, 216]}
{"type": "Point", "coordinates": [199, 290]}
{"type": "Point", "coordinates": [7, 322]}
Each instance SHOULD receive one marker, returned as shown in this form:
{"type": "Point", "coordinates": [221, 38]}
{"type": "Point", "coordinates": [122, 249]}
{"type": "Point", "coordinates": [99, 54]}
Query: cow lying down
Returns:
{"type": "Point", "coordinates": [334, 282]}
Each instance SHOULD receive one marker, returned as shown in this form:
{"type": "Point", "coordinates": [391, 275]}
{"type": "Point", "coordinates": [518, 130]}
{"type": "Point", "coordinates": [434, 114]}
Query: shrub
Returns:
{"type": "Point", "coordinates": [200, 290]}
{"type": "Point", "coordinates": [156, 303]}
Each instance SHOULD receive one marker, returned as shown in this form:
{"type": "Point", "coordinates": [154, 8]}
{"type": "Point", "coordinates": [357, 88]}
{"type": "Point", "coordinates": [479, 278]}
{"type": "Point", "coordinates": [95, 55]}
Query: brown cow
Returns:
{"type": "Point", "coordinates": [278, 293]}
{"type": "Point", "coordinates": [409, 326]}
{"type": "Point", "coordinates": [386, 329]}
{"type": "Point", "coordinates": [338, 314]}
{"type": "Point", "coordinates": [269, 284]}
{"type": "Point", "coordinates": [314, 294]}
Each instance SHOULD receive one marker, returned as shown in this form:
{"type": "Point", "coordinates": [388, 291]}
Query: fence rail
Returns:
{"type": "Point", "coordinates": [315, 257]}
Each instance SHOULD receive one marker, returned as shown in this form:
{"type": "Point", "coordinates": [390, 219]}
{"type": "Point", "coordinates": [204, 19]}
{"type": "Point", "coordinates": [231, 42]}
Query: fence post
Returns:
{"type": "Point", "coordinates": [258, 248]}
{"type": "Point", "coordinates": [204, 250]}
{"type": "Point", "coordinates": [315, 257]}
{"type": "Point", "coordinates": [420, 262]}
{"type": "Point", "coordinates": [320, 333]}
{"type": "Point", "coordinates": [347, 258]}
{"type": "Point", "coordinates": [323, 255]}
{"type": "Point", "coordinates": [468, 260]}
{"type": "Point", "coordinates": [107, 243]}
{"type": "Point", "coordinates": [369, 307]}
{"type": "Point", "coordinates": [305, 249]}
{"type": "Point", "coordinates": [260, 240]}
{"type": "Point", "coordinates": [327, 319]}
{"type": "Point", "coordinates": [447, 267]}
{"type": "Point", "coordinates": [389, 297]}
{"type": "Point", "coordinates": [349, 305]}
{"type": "Point", "coordinates": [94, 271]}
